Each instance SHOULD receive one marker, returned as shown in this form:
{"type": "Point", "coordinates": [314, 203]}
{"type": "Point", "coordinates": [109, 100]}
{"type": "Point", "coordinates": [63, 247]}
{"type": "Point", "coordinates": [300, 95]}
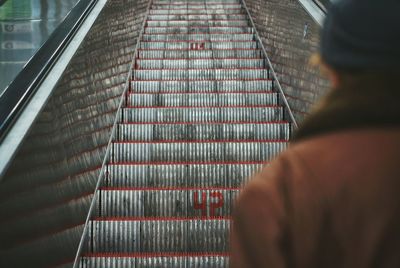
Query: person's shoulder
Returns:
{"type": "Point", "coordinates": [274, 179]}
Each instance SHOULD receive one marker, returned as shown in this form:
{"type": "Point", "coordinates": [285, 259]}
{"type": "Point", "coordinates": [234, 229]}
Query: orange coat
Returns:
{"type": "Point", "coordinates": [331, 200]}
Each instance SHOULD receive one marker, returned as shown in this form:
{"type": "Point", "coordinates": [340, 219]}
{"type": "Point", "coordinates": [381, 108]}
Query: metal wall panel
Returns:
{"type": "Point", "coordinates": [290, 37]}
{"type": "Point", "coordinates": [46, 192]}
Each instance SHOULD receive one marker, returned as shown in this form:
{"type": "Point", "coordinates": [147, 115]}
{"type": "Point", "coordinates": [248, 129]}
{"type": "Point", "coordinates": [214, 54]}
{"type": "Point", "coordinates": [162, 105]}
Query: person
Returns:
{"type": "Point", "coordinates": [332, 199]}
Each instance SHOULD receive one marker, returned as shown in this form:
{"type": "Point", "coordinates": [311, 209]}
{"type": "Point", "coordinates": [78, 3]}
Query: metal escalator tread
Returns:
{"type": "Point", "coordinates": [172, 260]}
{"type": "Point", "coordinates": [201, 116]}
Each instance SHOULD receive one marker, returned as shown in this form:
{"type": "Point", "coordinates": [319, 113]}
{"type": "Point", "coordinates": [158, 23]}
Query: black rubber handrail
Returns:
{"type": "Point", "coordinates": [322, 5]}
{"type": "Point", "coordinates": [19, 92]}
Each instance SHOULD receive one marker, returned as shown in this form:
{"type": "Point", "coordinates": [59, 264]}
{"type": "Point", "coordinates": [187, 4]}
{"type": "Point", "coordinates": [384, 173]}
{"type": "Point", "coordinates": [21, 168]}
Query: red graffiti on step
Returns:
{"type": "Point", "coordinates": [216, 200]}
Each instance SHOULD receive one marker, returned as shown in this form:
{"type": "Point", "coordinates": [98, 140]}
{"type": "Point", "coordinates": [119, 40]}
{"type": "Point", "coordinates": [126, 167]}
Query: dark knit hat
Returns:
{"type": "Point", "coordinates": [362, 35]}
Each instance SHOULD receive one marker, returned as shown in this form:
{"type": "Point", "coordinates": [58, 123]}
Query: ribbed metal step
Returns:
{"type": "Point", "coordinates": [203, 99]}
{"type": "Point", "coordinates": [197, 30]}
{"type": "Point", "coordinates": [185, 11]}
{"type": "Point", "coordinates": [199, 64]}
{"type": "Point", "coordinates": [159, 202]}
{"type": "Point", "coordinates": [203, 132]}
{"type": "Point", "coordinates": [201, 74]}
{"type": "Point", "coordinates": [198, 23]}
{"type": "Point", "coordinates": [199, 37]}
{"type": "Point", "coordinates": [202, 114]}
{"type": "Point", "coordinates": [194, 2]}
{"type": "Point", "coordinates": [216, 45]}
{"type": "Point", "coordinates": [174, 260]}
{"type": "Point", "coordinates": [195, 152]}
{"type": "Point", "coordinates": [127, 235]}
{"type": "Point", "coordinates": [217, 174]}
{"type": "Point", "coordinates": [203, 6]}
{"type": "Point", "coordinates": [199, 54]}
{"type": "Point", "coordinates": [198, 17]}
{"type": "Point", "coordinates": [211, 86]}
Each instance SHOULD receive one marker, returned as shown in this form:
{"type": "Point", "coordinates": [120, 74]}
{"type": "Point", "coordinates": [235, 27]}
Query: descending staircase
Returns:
{"type": "Point", "coordinates": [201, 116]}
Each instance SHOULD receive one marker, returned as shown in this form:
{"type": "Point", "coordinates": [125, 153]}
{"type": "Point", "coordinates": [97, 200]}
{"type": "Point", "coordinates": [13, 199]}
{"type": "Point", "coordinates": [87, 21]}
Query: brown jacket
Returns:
{"type": "Point", "coordinates": [333, 198]}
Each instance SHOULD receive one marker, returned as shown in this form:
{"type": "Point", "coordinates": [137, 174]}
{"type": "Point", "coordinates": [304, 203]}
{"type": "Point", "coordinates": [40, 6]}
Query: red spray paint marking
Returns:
{"type": "Point", "coordinates": [197, 46]}
{"type": "Point", "coordinates": [216, 201]}
{"type": "Point", "coordinates": [218, 204]}
{"type": "Point", "coordinates": [202, 205]}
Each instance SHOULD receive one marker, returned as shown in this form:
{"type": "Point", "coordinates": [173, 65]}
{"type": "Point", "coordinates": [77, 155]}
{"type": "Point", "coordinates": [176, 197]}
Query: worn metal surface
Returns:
{"type": "Point", "coordinates": [159, 235]}
{"type": "Point", "coordinates": [24, 26]}
{"type": "Point", "coordinates": [201, 116]}
{"type": "Point", "coordinates": [46, 192]}
{"type": "Point", "coordinates": [290, 37]}
{"type": "Point", "coordinates": [180, 175]}
{"type": "Point", "coordinates": [159, 260]}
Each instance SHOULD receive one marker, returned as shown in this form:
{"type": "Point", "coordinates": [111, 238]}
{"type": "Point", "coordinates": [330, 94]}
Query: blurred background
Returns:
{"type": "Point", "coordinates": [24, 26]}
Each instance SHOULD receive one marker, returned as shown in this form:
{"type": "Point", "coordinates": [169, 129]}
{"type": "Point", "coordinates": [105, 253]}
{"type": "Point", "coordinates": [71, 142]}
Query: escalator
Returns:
{"type": "Point", "coordinates": [201, 115]}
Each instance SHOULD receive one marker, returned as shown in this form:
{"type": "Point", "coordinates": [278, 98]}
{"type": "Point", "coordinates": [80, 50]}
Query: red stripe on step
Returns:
{"type": "Point", "coordinates": [199, 141]}
{"type": "Point", "coordinates": [204, 69]}
{"type": "Point", "coordinates": [211, 107]}
{"type": "Point", "coordinates": [243, 17]}
{"type": "Point", "coordinates": [200, 34]}
{"type": "Point", "coordinates": [155, 254]}
{"type": "Point", "coordinates": [191, 3]}
{"type": "Point", "coordinates": [196, 14]}
{"type": "Point", "coordinates": [187, 163]}
{"type": "Point", "coordinates": [208, 49]}
{"type": "Point", "coordinates": [188, 9]}
{"type": "Point", "coordinates": [195, 59]}
{"type": "Point", "coordinates": [196, 41]}
{"type": "Point", "coordinates": [170, 189]}
{"type": "Point", "coordinates": [244, 20]}
{"type": "Point", "coordinates": [197, 4]}
{"type": "Point", "coordinates": [195, 27]}
{"type": "Point", "coordinates": [217, 218]}
{"type": "Point", "coordinates": [191, 80]}
{"type": "Point", "coordinates": [206, 92]}
{"type": "Point", "coordinates": [210, 123]}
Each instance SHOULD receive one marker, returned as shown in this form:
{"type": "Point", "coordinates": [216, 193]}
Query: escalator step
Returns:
{"type": "Point", "coordinates": [209, 23]}
{"type": "Point", "coordinates": [202, 99]}
{"type": "Point", "coordinates": [199, 37]}
{"type": "Point", "coordinates": [205, 86]}
{"type": "Point", "coordinates": [197, 30]}
{"type": "Point", "coordinates": [202, 114]}
{"type": "Point", "coordinates": [203, 132]}
{"type": "Point", "coordinates": [126, 235]}
{"type": "Point", "coordinates": [155, 203]}
{"type": "Point", "coordinates": [195, 152]}
{"type": "Point", "coordinates": [207, 45]}
{"type": "Point", "coordinates": [201, 74]}
{"type": "Point", "coordinates": [185, 11]}
{"type": "Point", "coordinates": [218, 174]}
{"type": "Point", "coordinates": [200, 64]}
{"type": "Point", "coordinates": [197, 17]}
{"type": "Point", "coordinates": [215, 5]}
{"type": "Point", "coordinates": [200, 54]}
{"type": "Point", "coordinates": [174, 260]}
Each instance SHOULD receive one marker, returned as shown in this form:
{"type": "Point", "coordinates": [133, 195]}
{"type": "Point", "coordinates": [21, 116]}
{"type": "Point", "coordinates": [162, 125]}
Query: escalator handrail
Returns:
{"type": "Point", "coordinates": [17, 95]}
{"type": "Point", "coordinates": [323, 7]}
